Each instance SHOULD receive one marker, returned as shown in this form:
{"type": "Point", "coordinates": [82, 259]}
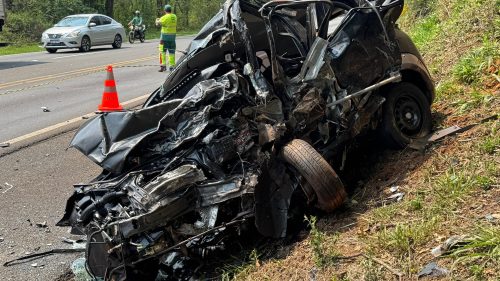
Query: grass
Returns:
{"type": "Point", "coordinates": [323, 245]}
{"type": "Point", "coordinates": [475, 64]}
{"type": "Point", "coordinates": [19, 49]}
{"type": "Point", "coordinates": [403, 238]}
{"type": "Point", "coordinates": [483, 244]}
{"type": "Point", "coordinates": [372, 270]}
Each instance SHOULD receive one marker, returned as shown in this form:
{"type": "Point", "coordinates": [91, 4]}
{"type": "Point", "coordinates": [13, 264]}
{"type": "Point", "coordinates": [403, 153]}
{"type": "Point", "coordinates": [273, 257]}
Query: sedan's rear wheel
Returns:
{"type": "Point", "coordinates": [318, 173]}
{"type": "Point", "coordinates": [51, 50]}
{"type": "Point", "coordinates": [117, 43]}
{"type": "Point", "coordinates": [86, 44]}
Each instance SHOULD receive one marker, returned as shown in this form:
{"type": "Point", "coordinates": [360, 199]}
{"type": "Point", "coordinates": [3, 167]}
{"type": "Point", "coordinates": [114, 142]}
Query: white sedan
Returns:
{"type": "Point", "coordinates": [83, 31]}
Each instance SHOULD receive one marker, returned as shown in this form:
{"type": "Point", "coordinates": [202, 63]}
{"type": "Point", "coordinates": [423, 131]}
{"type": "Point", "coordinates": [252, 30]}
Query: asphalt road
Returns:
{"type": "Point", "coordinates": [70, 83]}
{"type": "Point", "coordinates": [37, 170]}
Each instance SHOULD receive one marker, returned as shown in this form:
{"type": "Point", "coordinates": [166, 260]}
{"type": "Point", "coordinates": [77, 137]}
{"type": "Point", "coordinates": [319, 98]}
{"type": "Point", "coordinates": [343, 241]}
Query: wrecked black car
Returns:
{"type": "Point", "coordinates": [250, 125]}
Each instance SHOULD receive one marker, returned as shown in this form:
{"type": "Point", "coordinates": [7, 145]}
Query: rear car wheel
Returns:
{"type": "Point", "coordinates": [318, 173]}
{"type": "Point", "coordinates": [51, 50]}
{"type": "Point", "coordinates": [86, 44]}
{"type": "Point", "coordinates": [117, 43]}
{"type": "Point", "coordinates": [406, 115]}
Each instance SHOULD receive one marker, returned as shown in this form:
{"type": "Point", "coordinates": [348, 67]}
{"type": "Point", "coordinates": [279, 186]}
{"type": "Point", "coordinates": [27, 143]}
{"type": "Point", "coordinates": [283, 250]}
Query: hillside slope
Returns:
{"type": "Point", "coordinates": [450, 189]}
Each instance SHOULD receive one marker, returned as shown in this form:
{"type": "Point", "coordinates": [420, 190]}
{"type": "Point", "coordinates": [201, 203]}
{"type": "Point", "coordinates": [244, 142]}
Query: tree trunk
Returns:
{"type": "Point", "coordinates": [109, 7]}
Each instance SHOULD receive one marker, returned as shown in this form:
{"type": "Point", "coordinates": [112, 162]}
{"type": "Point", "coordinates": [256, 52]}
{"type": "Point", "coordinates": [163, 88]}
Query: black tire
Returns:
{"type": "Point", "coordinates": [317, 172]}
{"type": "Point", "coordinates": [131, 38]}
{"type": "Point", "coordinates": [117, 43]}
{"type": "Point", "coordinates": [86, 44]}
{"type": "Point", "coordinates": [406, 115]}
{"type": "Point", "coordinates": [142, 39]}
{"type": "Point", "coordinates": [51, 50]}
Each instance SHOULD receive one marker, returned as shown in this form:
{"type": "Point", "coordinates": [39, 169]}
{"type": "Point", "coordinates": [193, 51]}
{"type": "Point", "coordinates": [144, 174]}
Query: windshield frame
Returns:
{"type": "Point", "coordinates": [87, 18]}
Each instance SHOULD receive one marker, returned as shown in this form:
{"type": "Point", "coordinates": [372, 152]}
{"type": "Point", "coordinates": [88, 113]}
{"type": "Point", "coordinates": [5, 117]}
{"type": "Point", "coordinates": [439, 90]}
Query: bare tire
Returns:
{"type": "Point", "coordinates": [317, 172]}
{"type": "Point", "coordinates": [86, 44]}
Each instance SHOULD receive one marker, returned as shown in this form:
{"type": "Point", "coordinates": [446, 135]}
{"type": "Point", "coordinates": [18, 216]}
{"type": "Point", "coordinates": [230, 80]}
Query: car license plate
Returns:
{"type": "Point", "coordinates": [54, 41]}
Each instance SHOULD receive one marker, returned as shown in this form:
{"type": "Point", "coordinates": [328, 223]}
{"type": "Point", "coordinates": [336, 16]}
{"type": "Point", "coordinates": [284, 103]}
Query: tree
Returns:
{"type": "Point", "coordinates": [109, 7]}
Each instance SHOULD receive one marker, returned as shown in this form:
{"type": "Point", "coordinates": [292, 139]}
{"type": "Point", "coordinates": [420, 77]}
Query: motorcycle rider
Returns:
{"type": "Point", "coordinates": [168, 24]}
{"type": "Point", "coordinates": [137, 21]}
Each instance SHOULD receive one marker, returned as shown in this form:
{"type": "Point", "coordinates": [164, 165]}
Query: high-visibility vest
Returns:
{"type": "Point", "coordinates": [168, 24]}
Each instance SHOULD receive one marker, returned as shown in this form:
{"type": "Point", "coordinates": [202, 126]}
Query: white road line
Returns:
{"type": "Point", "coordinates": [83, 54]}
{"type": "Point", "coordinates": [70, 56]}
{"type": "Point", "coordinates": [66, 123]}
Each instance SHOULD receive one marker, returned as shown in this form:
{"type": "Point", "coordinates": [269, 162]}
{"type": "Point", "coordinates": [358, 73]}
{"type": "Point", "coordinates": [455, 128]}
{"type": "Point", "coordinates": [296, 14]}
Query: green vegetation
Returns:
{"type": "Point", "coordinates": [474, 65]}
{"type": "Point", "coordinates": [403, 238]}
{"type": "Point", "coordinates": [323, 245]}
{"type": "Point", "coordinates": [19, 49]}
{"type": "Point", "coordinates": [243, 269]}
{"type": "Point", "coordinates": [484, 243]}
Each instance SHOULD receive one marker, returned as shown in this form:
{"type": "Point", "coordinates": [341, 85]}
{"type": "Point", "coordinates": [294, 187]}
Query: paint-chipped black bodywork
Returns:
{"type": "Point", "coordinates": [201, 158]}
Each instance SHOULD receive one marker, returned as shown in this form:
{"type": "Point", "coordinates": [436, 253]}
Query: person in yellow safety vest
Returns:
{"type": "Point", "coordinates": [168, 24]}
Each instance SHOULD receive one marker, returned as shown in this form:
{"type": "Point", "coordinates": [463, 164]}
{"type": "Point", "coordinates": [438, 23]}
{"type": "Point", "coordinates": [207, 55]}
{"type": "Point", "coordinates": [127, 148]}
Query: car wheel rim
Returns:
{"type": "Point", "coordinates": [408, 115]}
{"type": "Point", "coordinates": [85, 44]}
{"type": "Point", "coordinates": [118, 41]}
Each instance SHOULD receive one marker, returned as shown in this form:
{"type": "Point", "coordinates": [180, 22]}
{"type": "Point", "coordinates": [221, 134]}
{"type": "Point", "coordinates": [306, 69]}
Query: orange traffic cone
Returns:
{"type": "Point", "coordinates": [110, 96]}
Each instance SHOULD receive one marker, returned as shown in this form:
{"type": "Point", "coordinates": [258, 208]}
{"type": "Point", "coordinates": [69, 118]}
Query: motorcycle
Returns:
{"type": "Point", "coordinates": [137, 32]}
{"type": "Point", "coordinates": [247, 131]}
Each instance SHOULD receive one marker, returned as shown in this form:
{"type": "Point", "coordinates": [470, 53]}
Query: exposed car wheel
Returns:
{"type": "Point", "coordinates": [318, 173]}
{"type": "Point", "coordinates": [131, 38]}
{"type": "Point", "coordinates": [117, 44]}
{"type": "Point", "coordinates": [51, 50]}
{"type": "Point", "coordinates": [406, 115]}
{"type": "Point", "coordinates": [86, 44]}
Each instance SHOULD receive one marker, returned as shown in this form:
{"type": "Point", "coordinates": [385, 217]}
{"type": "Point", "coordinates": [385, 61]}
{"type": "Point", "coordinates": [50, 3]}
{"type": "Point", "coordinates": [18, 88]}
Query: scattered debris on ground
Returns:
{"type": "Point", "coordinates": [432, 270]}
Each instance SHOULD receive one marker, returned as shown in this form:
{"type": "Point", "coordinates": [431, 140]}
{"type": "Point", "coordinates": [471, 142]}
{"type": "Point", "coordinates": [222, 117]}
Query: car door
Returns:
{"type": "Point", "coordinates": [96, 32]}
{"type": "Point", "coordinates": [363, 48]}
{"type": "Point", "coordinates": [108, 31]}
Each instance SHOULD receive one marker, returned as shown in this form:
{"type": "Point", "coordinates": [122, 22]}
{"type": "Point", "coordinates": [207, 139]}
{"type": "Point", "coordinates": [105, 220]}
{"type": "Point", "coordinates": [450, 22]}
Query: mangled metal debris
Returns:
{"type": "Point", "coordinates": [433, 270]}
{"type": "Point", "coordinates": [246, 132]}
{"type": "Point", "coordinates": [421, 143]}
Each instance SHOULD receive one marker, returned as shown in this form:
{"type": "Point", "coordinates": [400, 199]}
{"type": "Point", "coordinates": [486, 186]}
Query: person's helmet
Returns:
{"type": "Point", "coordinates": [137, 12]}
{"type": "Point", "coordinates": [168, 8]}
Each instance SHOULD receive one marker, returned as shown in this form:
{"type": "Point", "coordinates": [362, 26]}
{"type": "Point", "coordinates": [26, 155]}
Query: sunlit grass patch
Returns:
{"type": "Point", "coordinates": [424, 31]}
{"type": "Point", "coordinates": [491, 143]}
{"type": "Point", "coordinates": [483, 244]}
{"type": "Point", "coordinates": [475, 65]}
{"type": "Point", "coordinates": [323, 245]}
{"type": "Point", "coordinates": [404, 237]}
{"type": "Point", "coordinates": [19, 49]}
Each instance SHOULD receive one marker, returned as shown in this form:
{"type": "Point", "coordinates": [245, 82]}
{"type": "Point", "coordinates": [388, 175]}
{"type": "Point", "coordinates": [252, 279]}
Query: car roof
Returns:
{"type": "Point", "coordinates": [86, 15]}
